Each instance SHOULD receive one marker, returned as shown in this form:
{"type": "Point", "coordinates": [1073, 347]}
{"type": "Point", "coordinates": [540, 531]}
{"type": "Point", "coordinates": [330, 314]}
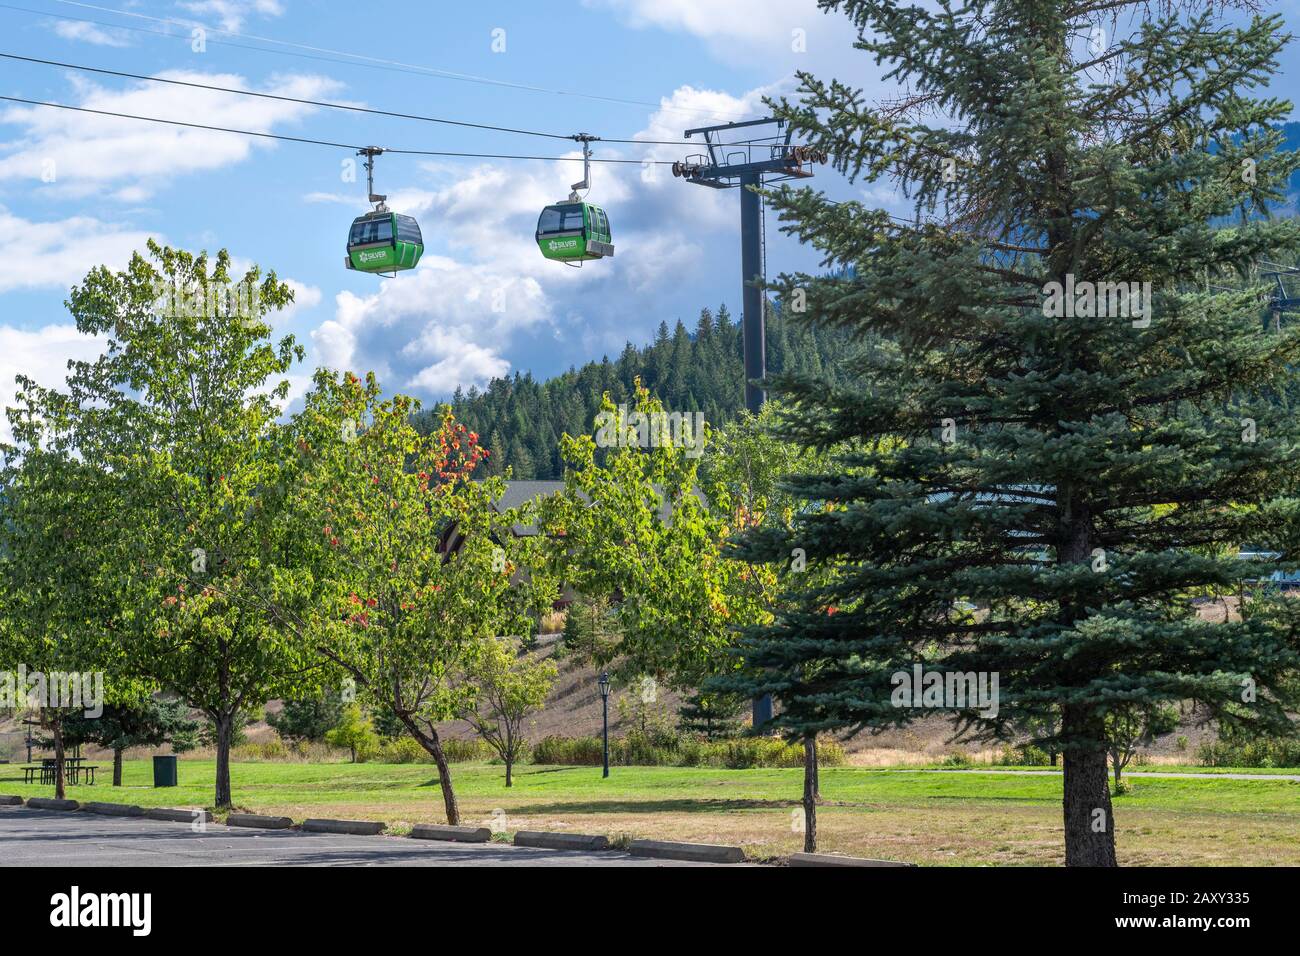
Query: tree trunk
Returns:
{"type": "Point", "coordinates": [510, 749]}
{"type": "Point", "coordinates": [1089, 822]}
{"type": "Point", "coordinates": [433, 746]}
{"type": "Point", "coordinates": [816, 770]}
{"type": "Point", "coordinates": [810, 794]}
{"type": "Point", "coordinates": [56, 728]}
{"type": "Point", "coordinates": [225, 726]}
{"type": "Point", "coordinates": [117, 766]}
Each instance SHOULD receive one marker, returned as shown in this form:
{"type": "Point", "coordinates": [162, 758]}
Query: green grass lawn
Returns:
{"type": "Point", "coordinates": [898, 814]}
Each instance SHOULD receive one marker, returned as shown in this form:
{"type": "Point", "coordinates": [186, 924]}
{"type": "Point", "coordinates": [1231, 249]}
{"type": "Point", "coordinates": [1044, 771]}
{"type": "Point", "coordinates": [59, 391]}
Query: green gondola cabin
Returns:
{"type": "Point", "coordinates": [384, 241]}
{"type": "Point", "coordinates": [574, 232]}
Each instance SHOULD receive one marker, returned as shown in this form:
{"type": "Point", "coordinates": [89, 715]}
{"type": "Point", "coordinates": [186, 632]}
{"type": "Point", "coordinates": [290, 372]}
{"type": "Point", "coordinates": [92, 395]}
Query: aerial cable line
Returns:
{"type": "Point", "coordinates": [275, 96]}
{"type": "Point", "coordinates": [373, 62]}
{"type": "Point", "coordinates": [324, 103]}
{"type": "Point", "coordinates": [322, 142]}
{"type": "Point", "coordinates": [165, 34]}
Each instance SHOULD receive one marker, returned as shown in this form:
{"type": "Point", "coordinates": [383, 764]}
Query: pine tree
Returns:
{"type": "Point", "coordinates": [591, 630]}
{"type": "Point", "coordinates": [307, 718]}
{"type": "Point", "coordinates": [495, 463]}
{"type": "Point", "coordinates": [696, 373]}
{"type": "Point", "coordinates": [520, 461]}
{"type": "Point", "coordinates": [1074, 462]}
{"type": "Point", "coordinates": [711, 715]}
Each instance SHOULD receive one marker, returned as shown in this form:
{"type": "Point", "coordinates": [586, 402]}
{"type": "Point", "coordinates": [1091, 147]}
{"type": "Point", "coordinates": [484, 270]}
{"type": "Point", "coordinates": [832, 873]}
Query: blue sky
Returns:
{"type": "Point", "coordinates": [483, 301]}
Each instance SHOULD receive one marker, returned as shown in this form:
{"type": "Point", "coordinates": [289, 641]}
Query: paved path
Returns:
{"type": "Point", "coordinates": [60, 838]}
{"type": "Point", "coordinates": [1294, 777]}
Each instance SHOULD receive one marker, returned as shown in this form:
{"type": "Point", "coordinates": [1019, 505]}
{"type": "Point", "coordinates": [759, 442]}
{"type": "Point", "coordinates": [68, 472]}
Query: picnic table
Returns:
{"type": "Point", "coordinates": [73, 770]}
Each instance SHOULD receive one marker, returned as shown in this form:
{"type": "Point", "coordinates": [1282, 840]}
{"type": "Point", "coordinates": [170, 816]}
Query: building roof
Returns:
{"type": "Point", "coordinates": [521, 492]}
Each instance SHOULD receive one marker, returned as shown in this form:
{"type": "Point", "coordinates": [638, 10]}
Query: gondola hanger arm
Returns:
{"type": "Point", "coordinates": [370, 152]}
{"type": "Point", "coordinates": [586, 139]}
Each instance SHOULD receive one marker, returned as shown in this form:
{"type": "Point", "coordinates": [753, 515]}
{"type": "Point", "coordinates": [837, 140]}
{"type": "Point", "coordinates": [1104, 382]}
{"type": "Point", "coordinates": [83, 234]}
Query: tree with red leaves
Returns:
{"type": "Point", "coordinates": [416, 569]}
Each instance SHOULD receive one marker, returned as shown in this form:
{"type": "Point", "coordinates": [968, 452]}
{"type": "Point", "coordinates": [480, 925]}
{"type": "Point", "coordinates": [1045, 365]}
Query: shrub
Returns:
{"type": "Point", "coordinates": [408, 750]}
{"type": "Point", "coordinates": [655, 750]}
{"type": "Point", "coordinates": [1267, 752]}
{"type": "Point", "coordinates": [1025, 755]}
{"type": "Point", "coordinates": [572, 751]}
{"type": "Point", "coordinates": [646, 749]}
{"type": "Point", "coordinates": [830, 754]}
{"type": "Point", "coordinates": [257, 753]}
{"type": "Point", "coordinates": [403, 750]}
{"type": "Point", "coordinates": [280, 752]}
{"type": "Point", "coordinates": [748, 752]}
{"type": "Point", "coordinates": [461, 751]}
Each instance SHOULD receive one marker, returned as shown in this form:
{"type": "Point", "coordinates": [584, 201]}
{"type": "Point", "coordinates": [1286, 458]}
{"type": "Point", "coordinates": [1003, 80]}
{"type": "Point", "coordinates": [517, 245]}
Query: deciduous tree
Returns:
{"type": "Point", "coordinates": [181, 415]}
{"type": "Point", "coordinates": [416, 570]}
{"type": "Point", "coordinates": [508, 685]}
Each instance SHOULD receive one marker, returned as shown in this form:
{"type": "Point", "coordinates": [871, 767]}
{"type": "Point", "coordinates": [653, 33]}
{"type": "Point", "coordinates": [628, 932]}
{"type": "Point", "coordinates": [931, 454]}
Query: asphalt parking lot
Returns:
{"type": "Point", "coordinates": [60, 838]}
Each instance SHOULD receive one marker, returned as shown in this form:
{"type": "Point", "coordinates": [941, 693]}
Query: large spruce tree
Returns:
{"type": "Point", "coordinates": [1043, 480]}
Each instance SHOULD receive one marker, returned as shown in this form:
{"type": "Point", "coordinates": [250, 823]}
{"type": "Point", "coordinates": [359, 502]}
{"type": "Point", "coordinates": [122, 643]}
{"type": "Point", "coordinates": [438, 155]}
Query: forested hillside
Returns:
{"type": "Point", "coordinates": [522, 419]}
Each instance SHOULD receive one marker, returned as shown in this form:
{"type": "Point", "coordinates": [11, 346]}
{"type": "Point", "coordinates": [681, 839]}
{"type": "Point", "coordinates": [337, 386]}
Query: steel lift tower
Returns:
{"type": "Point", "coordinates": [749, 163]}
{"type": "Point", "coordinates": [1285, 296]}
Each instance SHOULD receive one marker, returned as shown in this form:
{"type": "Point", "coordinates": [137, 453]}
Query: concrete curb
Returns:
{"type": "Point", "coordinates": [435, 831]}
{"type": "Point", "coordinates": [113, 809]}
{"type": "Point", "coordinates": [258, 822]}
{"type": "Point", "coordinates": [561, 841]}
{"type": "Point", "coordinates": [178, 815]}
{"type": "Point", "coordinates": [357, 827]}
{"type": "Point", "coordinates": [9, 801]}
{"type": "Point", "coordinates": [830, 859]}
{"type": "Point", "coordinates": [49, 803]}
{"type": "Point", "coordinates": [690, 852]}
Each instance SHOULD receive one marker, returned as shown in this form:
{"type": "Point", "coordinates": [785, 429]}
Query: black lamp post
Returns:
{"type": "Point", "coordinates": [604, 718]}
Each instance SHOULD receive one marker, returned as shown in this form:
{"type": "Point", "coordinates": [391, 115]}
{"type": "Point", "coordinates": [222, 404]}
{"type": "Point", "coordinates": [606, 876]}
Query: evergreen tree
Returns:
{"type": "Point", "coordinates": [150, 723]}
{"type": "Point", "coordinates": [520, 461]}
{"type": "Point", "coordinates": [591, 630]}
{"type": "Point", "coordinates": [1074, 465]}
{"type": "Point", "coordinates": [494, 463]}
{"type": "Point", "coordinates": [691, 372]}
{"type": "Point", "coordinates": [387, 724]}
{"type": "Point", "coordinates": [711, 715]}
{"type": "Point", "coordinates": [308, 718]}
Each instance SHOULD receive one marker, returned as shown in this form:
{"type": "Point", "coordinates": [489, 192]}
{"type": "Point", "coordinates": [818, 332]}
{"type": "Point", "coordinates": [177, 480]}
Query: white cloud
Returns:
{"type": "Point", "coordinates": [462, 363]}
{"type": "Point", "coordinates": [760, 22]}
{"type": "Point", "coordinates": [42, 355]}
{"type": "Point", "coordinates": [87, 152]}
{"type": "Point", "coordinates": [304, 297]}
{"type": "Point", "coordinates": [231, 14]}
{"type": "Point", "coordinates": [84, 32]}
{"type": "Point", "coordinates": [779, 36]}
{"type": "Point", "coordinates": [441, 325]}
{"type": "Point", "coordinates": [656, 255]}
{"type": "Point", "coordinates": [58, 254]}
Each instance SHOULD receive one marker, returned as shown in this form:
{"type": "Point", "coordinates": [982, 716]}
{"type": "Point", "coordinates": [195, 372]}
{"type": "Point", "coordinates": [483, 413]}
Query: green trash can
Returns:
{"type": "Point", "coordinates": [164, 771]}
